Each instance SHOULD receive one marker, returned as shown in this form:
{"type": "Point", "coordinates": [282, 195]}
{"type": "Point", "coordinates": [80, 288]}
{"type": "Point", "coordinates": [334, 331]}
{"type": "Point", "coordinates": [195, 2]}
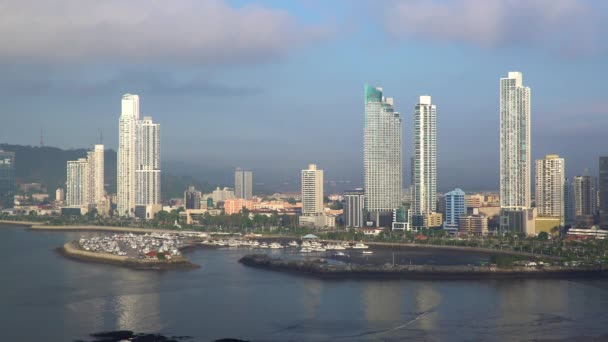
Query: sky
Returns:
{"type": "Point", "coordinates": [276, 85]}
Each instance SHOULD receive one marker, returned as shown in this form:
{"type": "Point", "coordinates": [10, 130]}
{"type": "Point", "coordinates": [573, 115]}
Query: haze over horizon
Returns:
{"type": "Point", "coordinates": [288, 90]}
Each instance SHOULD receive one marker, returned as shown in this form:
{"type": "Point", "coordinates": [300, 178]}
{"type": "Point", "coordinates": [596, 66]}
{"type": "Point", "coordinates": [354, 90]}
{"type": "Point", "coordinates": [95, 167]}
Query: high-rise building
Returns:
{"type": "Point", "coordinates": [382, 155]}
{"type": "Point", "coordinates": [515, 143]}
{"type": "Point", "coordinates": [243, 183]}
{"type": "Point", "coordinates": [192, 198]}
{"type": "Point", "coordinates": [77, 183]}
{"type": "Point", "coordinates": [425, 157]}
{"type": "Point", "coordinates": [59, 195]}
{"type": "Point", "coordinates": [568, 202]}
{"type": "Point", "coordinates": [312, 191]}
{"type": "Point", "coordinates": [603, 190]}
{"type": "Point", "coordinates": [585, 204]}
{"type": "Point", "coordinates": [7, 179]}
{"type": "Point", "coordinates": [354, 201]}
{"type": "Point", "coordinates": [96, 176]}
{"type": "Point", "coordinates": [455, 207]}
{"type": "Point", "coordinates": [127, 155]}
{"type": "Point", "coordinates": [550, 182]}
{"type": "Point", "coordinates": [148, 163]}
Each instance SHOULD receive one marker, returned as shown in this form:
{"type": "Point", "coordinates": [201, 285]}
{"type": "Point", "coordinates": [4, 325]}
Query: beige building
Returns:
{"type": "Point", "coordinates": [550, 182]}
{"type": "Point", "coordinates": [312, 197]}
{"type": "Point", "coordinates": [473, 225]}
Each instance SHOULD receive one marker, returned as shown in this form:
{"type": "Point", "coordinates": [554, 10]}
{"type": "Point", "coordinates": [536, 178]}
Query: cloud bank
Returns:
{"type": "Point", "coordinates": [156, 31]}
{"type": "Point", "coordinates": [571, 27]}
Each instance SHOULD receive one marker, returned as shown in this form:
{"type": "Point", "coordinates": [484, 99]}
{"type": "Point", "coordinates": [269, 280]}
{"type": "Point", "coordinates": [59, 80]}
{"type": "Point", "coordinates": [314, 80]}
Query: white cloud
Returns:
{"type": "Point", "coordinates": [140, 31]}
{"type": "Point", "coordinates": [568, 26]}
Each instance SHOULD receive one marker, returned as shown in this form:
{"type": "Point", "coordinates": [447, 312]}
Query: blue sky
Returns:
{"type": "Point", "coordinates": [275, 85]}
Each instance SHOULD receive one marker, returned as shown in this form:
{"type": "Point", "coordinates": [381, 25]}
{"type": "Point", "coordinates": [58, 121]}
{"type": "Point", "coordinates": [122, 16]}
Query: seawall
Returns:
{"type": "Point", "coordinates": [322, 269]}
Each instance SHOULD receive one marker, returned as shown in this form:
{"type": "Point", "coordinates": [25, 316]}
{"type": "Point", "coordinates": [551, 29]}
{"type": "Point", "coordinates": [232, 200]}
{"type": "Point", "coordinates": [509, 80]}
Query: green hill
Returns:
{"type": "Point", "coordinates": [47, 165]}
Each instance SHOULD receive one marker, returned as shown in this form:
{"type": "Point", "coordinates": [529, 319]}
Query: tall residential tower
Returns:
{"type": "Point", "coordinates": [243, 180]}
{"type": "Point", "coordinates": [550, 181]}
{"type": "Point", "coordinates": [382, 155]}
{"type": "Point", "coordinates": [424, 168]}
{"type": "Point", "coordinates": [127, 155]}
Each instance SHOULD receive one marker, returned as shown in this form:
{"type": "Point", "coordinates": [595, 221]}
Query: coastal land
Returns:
{"type": "Point", "coordinates": [92, 228]}
{"type": "Point", "coordinates": [322, 269]}
{"type": "Point", "coordinates": [73, 251]}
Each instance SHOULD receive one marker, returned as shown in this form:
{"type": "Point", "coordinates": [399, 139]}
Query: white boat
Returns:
{"type": "Point", "coordinates": [275, 245]}
{"type": "Point", "coordinates": [339, 254]}
{"type": "Point", "coordinates": [360, 246]}
{"type": "Point", "coordinates": [293, 244]}
{"type": "Point", "coordinates": [305, 250]}
{"type": "Point", "coordinates": [339, 247]}
{"type": "Point", "coordinates": [264, 245]}
{"type": "Point", "coordinates": [367, 252]}
{"type": "Point", "coordinates": [319, 249]}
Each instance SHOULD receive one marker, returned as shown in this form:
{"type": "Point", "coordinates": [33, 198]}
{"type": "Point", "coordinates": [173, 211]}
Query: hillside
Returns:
{"type": "Point", "coordinates": [47, 165]}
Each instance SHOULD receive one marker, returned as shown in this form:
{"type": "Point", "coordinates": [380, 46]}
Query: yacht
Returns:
{"type": "Point", "coordinates": [340, 255]}
{"type": "Point", "coordinates": [275, 245]}
{"type": "Point", "coordinates": [360, 245]}
{"type": "Point", "coordinates": [293, 244]}
{"type": "Point", "coordinates": [367, 252]}
{"type": "Point", "coordinates": [263, 245]}
{"type": "Point", "coordinates": [305, 250]}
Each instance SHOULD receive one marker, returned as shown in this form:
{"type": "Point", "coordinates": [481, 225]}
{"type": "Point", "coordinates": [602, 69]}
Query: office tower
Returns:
{"type": "Point", "coordinates": [568, 202]}
{"type": "Point", "coordinates": [77, 183]}
{"type": "Point", "coordinates": [585, 203]}
{"type": "Point", "coordinates": [312, 191]}
{"type": "Point", "coordinates": [148, 163]}
{"type": "Point", "coordinates": [7, 179]}
{"type": "Point", "coordinates": [514, 143]}
{"type": "Point", "coordinates": [192, 198]}
{"type": "Point", "coordinates": [96, 175]}
{"type": "Point", "coordinates": [354, 202]}
{"type": "Point", "coordinates": [550, 182]}
{"type": "Point", "coordinates": [425, 157]}
{"type": "Point", "coordinates": [127, 155]}
{"type": "Point", "coordinates": [382, 155]}
{"type": "Point", "coordinates": [243, 183]}
{"type": "Point", "coordinates": [603, 189]}
{"type": "Point", "coordinates": [455, 207]}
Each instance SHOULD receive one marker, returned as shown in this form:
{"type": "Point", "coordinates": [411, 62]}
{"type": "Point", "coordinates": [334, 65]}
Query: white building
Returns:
{"type": "Point", "coordinates": [550, 182]}
{"type": "Point", "coordinates": [59, 195]}
{"type": "Point", "coordinates": [382, 155]}
{"type": "Point", "coordinates": [77, 183]}
{"type": "Point", "coordinates": [354, 208]}
{"type": "Point", "coordinates": [243, 184]}
{"type": "Point", "coordinates": [312, 191]}
{"type": "Point", "coordinates": [220, 195]}
{"type": "Point", "coordinates": [514, 143]}
{"type": "Point", "coordinates": [424, 169]}
{"type": "Point", "coordinates": [96, 176]}
{"type": "Point", "coordinates": [127, 155]}
{"type": "Point", "coordinates": [148, 163]}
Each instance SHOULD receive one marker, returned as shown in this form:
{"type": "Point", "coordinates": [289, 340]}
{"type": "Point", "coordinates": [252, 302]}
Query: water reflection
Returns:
{"type": "Point", "coordinates": [311, 299]}
{"type": "Point", "coordinates": [382, 300]}
{"type": "Point", "coordinates": [428, 300]}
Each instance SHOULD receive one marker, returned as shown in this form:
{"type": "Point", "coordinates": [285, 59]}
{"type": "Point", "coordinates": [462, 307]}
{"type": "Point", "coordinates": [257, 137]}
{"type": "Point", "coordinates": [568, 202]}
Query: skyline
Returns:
{"type": "Point", "coordinates": [225, 106]}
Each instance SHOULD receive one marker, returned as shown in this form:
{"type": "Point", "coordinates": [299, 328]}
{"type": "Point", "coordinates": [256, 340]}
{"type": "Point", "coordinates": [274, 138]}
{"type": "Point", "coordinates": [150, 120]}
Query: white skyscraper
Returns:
{"type": "Point", "coordinates": [148, 163]}
{"type": "Point", "coordinates": [550, 186]}
{"type": "Point", "coordinates": [96, 175]}
{"type": "Point", "coordinates": [77, 183]}
{"type": "Point", "coordinates": [424, 169]}
{"type": "Point", "coordinates": [127, 155]}
{"type": "Point", "coordinates": [382, 155]}
{"type": "Point", "coordinates": [243, 183]}
{"type": "Point", "coordinates": [514, 143]}
{"type": "Point", "coordinates": [312, 191]}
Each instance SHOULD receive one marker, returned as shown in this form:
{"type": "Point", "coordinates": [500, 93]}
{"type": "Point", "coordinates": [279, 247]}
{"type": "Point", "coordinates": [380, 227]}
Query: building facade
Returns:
{"type": "Point", "coordinates": [148, 171]}
{"type": "Point", "coordinates": [515, 143]}
{"type": "Point", "coordinates": [127, 155]}
{"type": "Point", "coordinates": [550, 181]}
{"type": "Point", "coordinates": [425, 157]}
{"type": "Point", "coordinates": [568, 202]}
{"type": "Point", "coordinates": [77, 183]}
{"type": "Point", "coordinates": [354, 201]}
{"type": "Point", "coordinates": [243, 183]}
{"type": "Point", "coordinates": [192, 198]}
{"type": "Point", "coordinates": [96, 189]}
{"type": "Point", "coordinates": [585, 200]}
{"type": "Point", "coordinates": [382, 155]}
{"type": "Point", "coordinates": [455, 206]}
{"type": "Point", "coordinates": [7, 179]}
{"type": "Point", "coordinates": [312, 191]}
{"type": "Point", "coordinates": [603, 192]}
{"type": "Point", "coordinates": [473, 225]}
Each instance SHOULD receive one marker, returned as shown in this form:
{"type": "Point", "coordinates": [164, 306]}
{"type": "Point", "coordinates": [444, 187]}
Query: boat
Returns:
{"type": "Point", "coordinates": [340, 255]}
{"type": "Point", "coordinates": [319, 249]}
{"type": "Point", "coordinates": [263, 245]}
{"type": "Point", "coordinates": [305, 250]}
{"type": "Point", "coordinates": [367, 252]}
{"type": "Point", "coordinates": [293, 244]}
{"type": "Point", "coordinates": [360, 245]}
{"type": "Point", "coordinates": [275, 245]}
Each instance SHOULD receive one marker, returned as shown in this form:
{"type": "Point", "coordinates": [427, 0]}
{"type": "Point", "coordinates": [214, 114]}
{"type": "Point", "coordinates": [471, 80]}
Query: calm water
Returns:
{"type": "Point", "coordinates": [45, 297]}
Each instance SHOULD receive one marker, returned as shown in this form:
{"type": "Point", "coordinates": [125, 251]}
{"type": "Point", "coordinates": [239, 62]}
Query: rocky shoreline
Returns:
{"type": "Point", "coordinates": [322, 269]}
{"type": "Point", "coordinates": [72, 251]}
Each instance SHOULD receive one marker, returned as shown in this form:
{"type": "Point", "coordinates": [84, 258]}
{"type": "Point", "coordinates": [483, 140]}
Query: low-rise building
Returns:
{"type": "Point", "coordinates": [473, 225]}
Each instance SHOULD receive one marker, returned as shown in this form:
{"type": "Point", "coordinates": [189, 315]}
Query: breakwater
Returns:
{"type": "Point", "coordinates": [321, 268]}
{"type": "Point", "coordinates": [71, 250]}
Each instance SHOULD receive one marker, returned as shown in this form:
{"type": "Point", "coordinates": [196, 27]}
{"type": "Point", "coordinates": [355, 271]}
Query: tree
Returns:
{"type": "Point", "coordinates": [543, 236]}
{"type": "Point", "coordinates": [291, 201]}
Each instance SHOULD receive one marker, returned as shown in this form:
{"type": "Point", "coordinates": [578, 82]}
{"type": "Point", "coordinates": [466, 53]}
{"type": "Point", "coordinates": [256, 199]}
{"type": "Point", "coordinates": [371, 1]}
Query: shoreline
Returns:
{"type": "Point", "coordinates": [323, 270]}
{"type": "Point", "coordinates": [88, 227]}
{"type": "Point", "coordinates": [71, 251]}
